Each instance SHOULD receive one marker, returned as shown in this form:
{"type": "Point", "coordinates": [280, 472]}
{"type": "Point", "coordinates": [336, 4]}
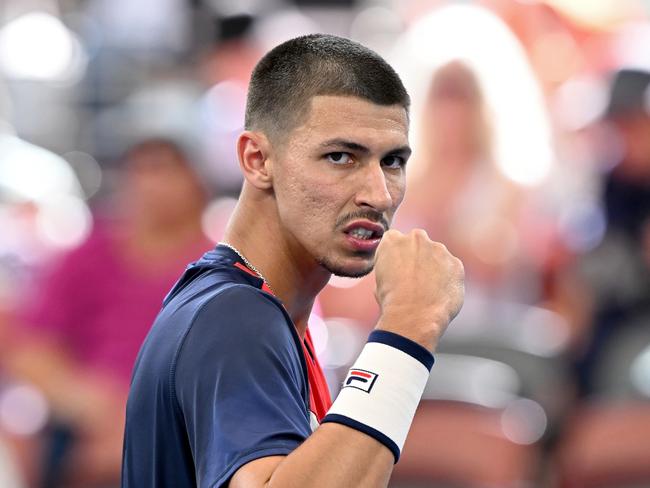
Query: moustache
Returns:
{"type": "Point", "coordinates": [373, 216]}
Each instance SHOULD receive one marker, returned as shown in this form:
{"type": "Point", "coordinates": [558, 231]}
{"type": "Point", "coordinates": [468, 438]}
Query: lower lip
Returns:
{"type": "Point", "coordinates": [364, 245]}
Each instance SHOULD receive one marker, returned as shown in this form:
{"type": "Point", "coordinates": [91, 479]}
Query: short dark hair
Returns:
{"type": "Point", "coordinates": [288, 76]}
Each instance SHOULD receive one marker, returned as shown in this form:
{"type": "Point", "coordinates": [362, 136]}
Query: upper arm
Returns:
{"type": "Point", "coordinates": [240, 385]}
{"type": "Point", "coordinates": [256, 473]}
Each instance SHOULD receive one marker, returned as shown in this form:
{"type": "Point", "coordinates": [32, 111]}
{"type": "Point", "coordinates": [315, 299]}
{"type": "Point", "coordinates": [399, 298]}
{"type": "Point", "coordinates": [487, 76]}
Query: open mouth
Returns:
{"type": "Point", "coordinates": [363, 234]}
{"type": "Point", "coordinates": [364, 230]}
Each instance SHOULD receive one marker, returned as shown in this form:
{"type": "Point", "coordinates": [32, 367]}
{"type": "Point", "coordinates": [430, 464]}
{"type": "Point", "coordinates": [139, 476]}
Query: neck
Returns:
{"type": "Point", "coordinates": [293, 275]}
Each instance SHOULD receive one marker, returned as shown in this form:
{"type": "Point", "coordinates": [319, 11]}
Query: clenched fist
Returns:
{"type": "Point", "coordinates": [420, 286]}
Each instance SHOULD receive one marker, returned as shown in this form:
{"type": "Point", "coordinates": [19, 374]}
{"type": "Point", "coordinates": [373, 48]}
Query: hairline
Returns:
{"type": "Point", "coordinates": [279, 133]}
{"type": "Point", "coordinates": [316, 65]}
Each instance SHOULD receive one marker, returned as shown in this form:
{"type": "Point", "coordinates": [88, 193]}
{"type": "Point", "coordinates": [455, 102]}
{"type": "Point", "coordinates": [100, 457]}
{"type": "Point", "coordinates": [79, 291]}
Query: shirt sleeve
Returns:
{"type": "Point", "coordinates": [240, 384]}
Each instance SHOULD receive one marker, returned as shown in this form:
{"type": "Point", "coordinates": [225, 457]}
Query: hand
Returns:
{"type": "Point", "coordinates": [420, 286]}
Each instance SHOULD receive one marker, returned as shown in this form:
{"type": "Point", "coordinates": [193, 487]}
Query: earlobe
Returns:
{"type": "Point", "coordinates": [253, 149]}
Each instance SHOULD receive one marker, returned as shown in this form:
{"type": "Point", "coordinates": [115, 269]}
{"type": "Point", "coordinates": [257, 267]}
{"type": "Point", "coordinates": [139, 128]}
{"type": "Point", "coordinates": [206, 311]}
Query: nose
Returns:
{"type": "Point", "coordinates": [374, 189]}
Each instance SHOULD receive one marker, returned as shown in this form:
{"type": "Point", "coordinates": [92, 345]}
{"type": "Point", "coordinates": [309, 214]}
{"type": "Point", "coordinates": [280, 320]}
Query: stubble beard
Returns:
{"type": "Point", "coordinates": [340, 270]}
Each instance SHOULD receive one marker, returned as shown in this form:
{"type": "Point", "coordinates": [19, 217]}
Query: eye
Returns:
{"type": "Point", "coordinates": [339, 158]}
{"type": "Point", "coordinates": [393, 162]}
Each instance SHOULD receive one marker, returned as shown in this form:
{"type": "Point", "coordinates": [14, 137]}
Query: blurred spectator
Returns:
{"type": "Point", "coordinates": [78, 335]}
{"type": "Point", "coordinates": [610, 428]}
{"type": "Point", "coordinates": [617, 273]}
{"type": "Point", "coordinates": [459, 196]}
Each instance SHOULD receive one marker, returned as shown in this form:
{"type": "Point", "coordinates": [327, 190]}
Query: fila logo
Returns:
{"type": "Point", "coordinates": [360, 379]}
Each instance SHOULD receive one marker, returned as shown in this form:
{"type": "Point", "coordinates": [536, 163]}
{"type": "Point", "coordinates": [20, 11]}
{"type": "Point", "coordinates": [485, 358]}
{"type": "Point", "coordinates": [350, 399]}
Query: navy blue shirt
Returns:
{"type": "Point", "coordinates": [219, 381]}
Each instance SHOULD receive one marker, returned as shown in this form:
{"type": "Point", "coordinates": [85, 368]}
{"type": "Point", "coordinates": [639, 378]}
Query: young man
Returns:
{"type": "Point", "coordinates": [226, 390]}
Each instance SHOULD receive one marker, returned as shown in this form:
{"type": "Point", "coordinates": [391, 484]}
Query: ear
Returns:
{"type": "Point", "coordinates": [253, 150]}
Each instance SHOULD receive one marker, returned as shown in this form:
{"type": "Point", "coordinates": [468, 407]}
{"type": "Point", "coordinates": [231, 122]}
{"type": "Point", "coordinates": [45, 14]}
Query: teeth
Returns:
{"type": "Point", "coordinates": [361, 233]}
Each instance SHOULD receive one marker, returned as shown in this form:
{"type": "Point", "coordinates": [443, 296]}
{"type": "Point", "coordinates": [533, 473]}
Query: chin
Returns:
{"type": "Point", "coordinates": [356, 270]}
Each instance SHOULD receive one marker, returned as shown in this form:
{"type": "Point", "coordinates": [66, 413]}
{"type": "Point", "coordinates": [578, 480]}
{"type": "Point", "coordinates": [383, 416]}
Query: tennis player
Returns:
{"type": "Point", "coordinates": [227, 390]}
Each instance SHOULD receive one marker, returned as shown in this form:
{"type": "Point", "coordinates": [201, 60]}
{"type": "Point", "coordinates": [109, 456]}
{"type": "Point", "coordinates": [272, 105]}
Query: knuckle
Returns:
{"type": "Point", "coordinates": [439, 246]}
{"type": "Point", "coordinates": [387, 238]}
{"type": "Point", "coordinates": [392, 234]}
{"type": "Point", "coordinates": [419, 233]}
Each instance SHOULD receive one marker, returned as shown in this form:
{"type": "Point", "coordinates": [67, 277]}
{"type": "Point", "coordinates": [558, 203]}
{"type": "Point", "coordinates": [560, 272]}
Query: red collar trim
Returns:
{"type": "Point", "coordinates": [252, 273]}
{"type": "Point", "coordinates": [320, 399]}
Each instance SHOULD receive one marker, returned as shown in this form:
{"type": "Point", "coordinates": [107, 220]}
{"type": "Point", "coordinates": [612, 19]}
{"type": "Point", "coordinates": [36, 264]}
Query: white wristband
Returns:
{"type": "Point", "coordinates": [383, 389]}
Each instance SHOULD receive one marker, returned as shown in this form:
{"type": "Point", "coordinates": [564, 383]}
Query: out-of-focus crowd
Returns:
{"type": "Point", "coordinates": [530, 125]}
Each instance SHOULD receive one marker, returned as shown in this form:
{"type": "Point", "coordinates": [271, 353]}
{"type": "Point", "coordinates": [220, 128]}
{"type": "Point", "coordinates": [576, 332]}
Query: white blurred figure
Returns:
{"type": "Point", "coordinates": [482, 146]}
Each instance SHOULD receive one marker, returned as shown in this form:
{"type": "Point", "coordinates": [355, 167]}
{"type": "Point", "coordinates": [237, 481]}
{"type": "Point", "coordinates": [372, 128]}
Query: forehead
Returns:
{"type": "Point", "coordinates": [354, 119]}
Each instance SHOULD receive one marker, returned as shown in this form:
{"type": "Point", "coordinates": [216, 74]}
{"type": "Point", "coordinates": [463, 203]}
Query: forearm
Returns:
{"type": "Point", "coordinates": [362, 435]}
{"type": "Point", "coordinates": [333, 456]}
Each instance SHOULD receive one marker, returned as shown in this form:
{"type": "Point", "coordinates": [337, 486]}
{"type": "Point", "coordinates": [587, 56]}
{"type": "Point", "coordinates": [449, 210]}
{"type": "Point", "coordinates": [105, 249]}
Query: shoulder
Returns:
{"type": "Point", "coordinates": [242, 306]}
{"type": "Point", "coordinates": [238, 319]}
{"type": "Point", "coordinates": [240, 335]}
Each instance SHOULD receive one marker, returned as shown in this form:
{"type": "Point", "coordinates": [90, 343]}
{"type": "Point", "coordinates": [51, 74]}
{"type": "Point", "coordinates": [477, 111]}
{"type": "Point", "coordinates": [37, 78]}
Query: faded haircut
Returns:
{"type": "Point", "coordinates": [288, 76]}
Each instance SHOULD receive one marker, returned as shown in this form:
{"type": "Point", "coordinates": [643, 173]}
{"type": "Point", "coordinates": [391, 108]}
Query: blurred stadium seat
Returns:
{"type": "Point", "coordinates": [498, 387]}
{"type": "Point", "coordinates": [606, 442]}
{"type": "Point", "coordinates": [452, 444]}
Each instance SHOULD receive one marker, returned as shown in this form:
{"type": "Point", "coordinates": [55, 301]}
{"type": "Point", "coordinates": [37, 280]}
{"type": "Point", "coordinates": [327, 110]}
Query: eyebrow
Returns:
{"type": "Point", "coordinates": [404, 151]}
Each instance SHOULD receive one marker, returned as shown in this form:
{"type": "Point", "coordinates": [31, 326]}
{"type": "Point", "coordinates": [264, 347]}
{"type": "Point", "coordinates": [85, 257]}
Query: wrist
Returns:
{"type": "Point", "coordinates": [382, 390]}
{"type": "Point", "coordinates": [421, 329]}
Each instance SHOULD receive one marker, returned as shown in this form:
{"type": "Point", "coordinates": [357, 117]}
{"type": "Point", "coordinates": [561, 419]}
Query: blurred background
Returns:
{"type": "Point", "coordinates": [531, 136]}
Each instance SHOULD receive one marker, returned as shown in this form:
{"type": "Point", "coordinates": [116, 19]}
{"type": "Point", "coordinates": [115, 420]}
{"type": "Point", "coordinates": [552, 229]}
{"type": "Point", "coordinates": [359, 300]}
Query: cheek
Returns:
{"type": "Point", "coordinates": [397, 189]}
{"type": "Point", "coordinates": [308, 203]}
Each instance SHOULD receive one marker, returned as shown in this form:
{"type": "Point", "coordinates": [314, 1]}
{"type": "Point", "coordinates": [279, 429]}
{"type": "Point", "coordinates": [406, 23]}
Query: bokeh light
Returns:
{"type": "Point", "coordinates": [524, 421]}
{"type": "Point", "coordinates": [20, 161]}
{"type": "Point", "coordinates": [38, 46]}
{"type": "Point", "coordinates": [23, 409]}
